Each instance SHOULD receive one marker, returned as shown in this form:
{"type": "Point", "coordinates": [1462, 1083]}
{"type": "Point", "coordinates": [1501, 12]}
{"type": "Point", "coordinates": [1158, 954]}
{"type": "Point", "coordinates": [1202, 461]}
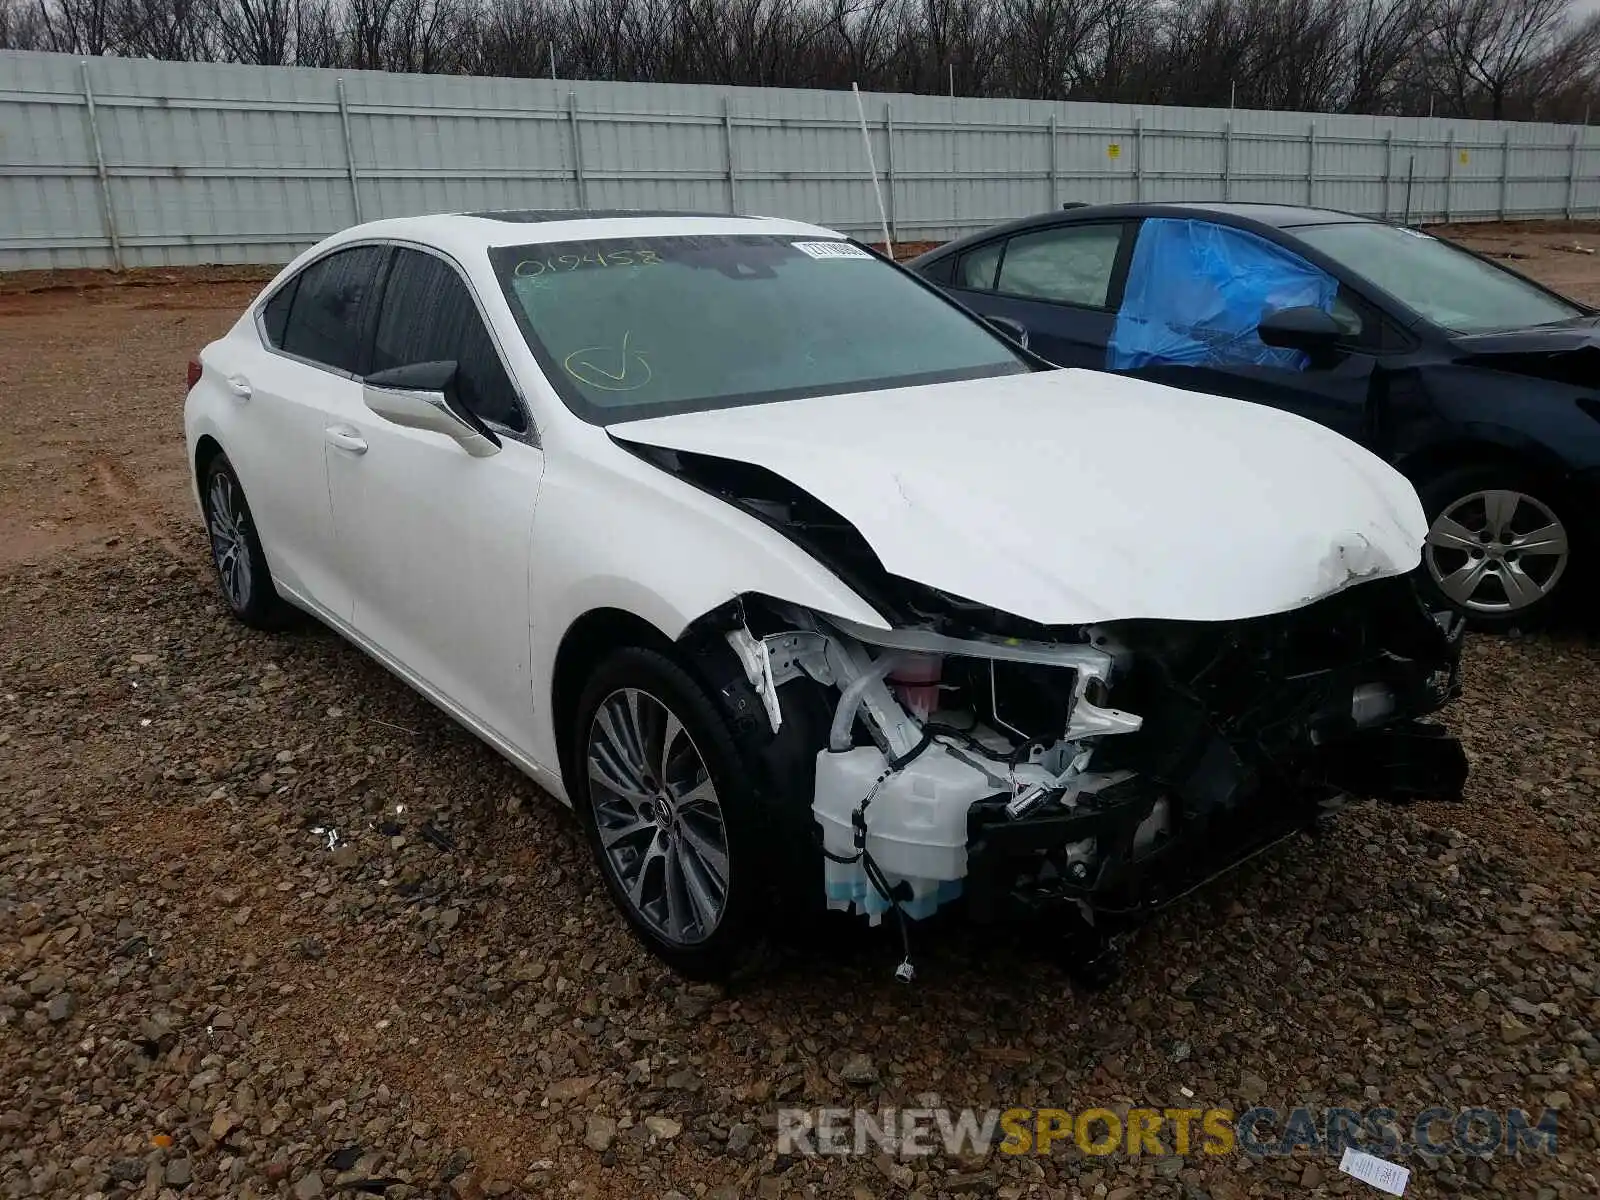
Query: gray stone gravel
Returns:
{"type": "Point", "coordinates": [271, 926]}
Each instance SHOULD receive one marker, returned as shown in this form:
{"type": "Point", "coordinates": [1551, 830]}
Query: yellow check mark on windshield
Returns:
{"type": "Point", "coordinates": [623, 374]}
{"type": "Point", "coordinates": [581, 366]}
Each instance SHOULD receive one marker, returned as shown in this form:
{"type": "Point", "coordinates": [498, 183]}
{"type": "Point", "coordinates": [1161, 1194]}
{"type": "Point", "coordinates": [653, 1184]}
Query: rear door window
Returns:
{"type": "Point", "coordinates": [1073, 264]}
{"type": "Point", "coordinates": [976, 268]}
{"type": "Point", "coordinates": [331, 311]}
{"type": "Point", "coordinates": [429, 315]}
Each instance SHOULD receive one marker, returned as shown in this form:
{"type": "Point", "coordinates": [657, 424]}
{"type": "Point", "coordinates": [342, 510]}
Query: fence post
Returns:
{"type": "Point", "coordinates": [727, 149]}
{"type": "Point", "coordinates": [577, 150]}
{"type": "Point", "coordinates": [1572, 177]}
{"type": "Point", "coordinates": [1138, 158]}
{"type": "Point", "coordinates": [1055, 191]}
{"type": "Point", "coordinates": [100, 169]}
{"type": "Point", "coordinates": [888, 169]}
{"type": "Point", "coordinates": [1227, 159]}
{"type": "Point", "coordinates": [1505, 173]}
{"type": "Point", "coordinates": [1388, 169]}
{"type": "Point", "coordinates": [349, 150]}
{"type": "Point", "coordinates": [1311, 164]}
{"type": "Point", "coordinates": [1449, 173]}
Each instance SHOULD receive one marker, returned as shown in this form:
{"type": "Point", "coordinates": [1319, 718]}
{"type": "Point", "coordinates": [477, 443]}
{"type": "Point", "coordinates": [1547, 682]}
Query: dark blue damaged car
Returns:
{"type": "Point", "coordinates": [1480, 385]}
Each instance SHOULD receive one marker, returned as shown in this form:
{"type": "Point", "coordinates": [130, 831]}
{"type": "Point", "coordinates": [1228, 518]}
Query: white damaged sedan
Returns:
{"type": "Point", "coordinates": [805, 587]}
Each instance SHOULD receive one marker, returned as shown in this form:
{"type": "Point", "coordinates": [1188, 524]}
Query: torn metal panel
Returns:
{"type": "Point", "coordinates": [757, 663]}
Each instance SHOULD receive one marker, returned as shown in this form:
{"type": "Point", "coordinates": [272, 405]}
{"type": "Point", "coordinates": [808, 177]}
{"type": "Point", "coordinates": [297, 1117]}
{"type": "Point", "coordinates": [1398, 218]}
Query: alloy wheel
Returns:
{"type": "Point", "coordinates": [229, 524]}
{"type": "Point", "coordinates": [1496, 552]}
{"type": "Point", "coordinates": [658, 817]}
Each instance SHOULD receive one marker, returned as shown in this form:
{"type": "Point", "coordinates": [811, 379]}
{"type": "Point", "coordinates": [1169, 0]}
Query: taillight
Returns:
{"type": "Point", "coordinates": [194, 373]}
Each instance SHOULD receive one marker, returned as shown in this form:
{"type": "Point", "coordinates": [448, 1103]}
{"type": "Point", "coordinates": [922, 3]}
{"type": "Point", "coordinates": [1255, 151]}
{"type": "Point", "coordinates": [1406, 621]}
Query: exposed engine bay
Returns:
{"type": "Point", "coordinates": [1106, 768]}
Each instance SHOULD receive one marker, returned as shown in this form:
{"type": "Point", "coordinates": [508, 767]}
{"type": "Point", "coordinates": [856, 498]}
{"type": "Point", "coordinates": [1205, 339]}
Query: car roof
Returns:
{"type": "Point", "coordinates": [471, 233]}
{"type": "Point", "coordinates": [1240, 213]}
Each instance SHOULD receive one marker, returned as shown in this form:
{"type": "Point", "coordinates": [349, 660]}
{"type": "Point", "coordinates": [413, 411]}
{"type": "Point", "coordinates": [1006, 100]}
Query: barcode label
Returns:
{"type": "Point", "coordinates": [1385, 1176]}
{"type": "Point", "coordinates": [831, 250]}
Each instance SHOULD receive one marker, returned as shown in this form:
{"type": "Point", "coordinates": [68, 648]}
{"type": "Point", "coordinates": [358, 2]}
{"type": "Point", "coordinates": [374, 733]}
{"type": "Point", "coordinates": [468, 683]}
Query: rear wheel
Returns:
{"type": "Point", "coordinates": [1498, 548]}
{"type": "Point", "coordinates": [236, 550]}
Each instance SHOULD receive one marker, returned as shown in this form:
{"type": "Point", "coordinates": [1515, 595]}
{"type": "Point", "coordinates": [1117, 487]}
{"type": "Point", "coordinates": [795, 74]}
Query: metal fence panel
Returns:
{"type": "Point", "coordinates": [107, 162]}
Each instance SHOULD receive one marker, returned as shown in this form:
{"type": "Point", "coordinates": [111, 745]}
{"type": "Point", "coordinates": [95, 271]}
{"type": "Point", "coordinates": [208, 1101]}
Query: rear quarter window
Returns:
{"type": "Point", "coordinates": [275, 313]}
{"type": "Point", "coordinates": [939, 272]}
{"type": "Point", "coordinates": [335, 301]}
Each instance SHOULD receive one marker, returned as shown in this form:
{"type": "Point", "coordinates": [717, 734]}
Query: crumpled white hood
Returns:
{"type": "Point", "coordinates": [1070, 497]}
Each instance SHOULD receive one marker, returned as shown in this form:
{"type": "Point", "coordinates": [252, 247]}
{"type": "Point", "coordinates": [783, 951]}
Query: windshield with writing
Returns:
{"type": "Point", "coordinates": [1443, 283]}
{"type": "Point", "coordinates": [638, 327]}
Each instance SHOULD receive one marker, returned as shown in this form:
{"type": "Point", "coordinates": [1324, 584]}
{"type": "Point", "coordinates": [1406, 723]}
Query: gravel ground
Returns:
{"type": "Point", "coordinates": [270, 925]}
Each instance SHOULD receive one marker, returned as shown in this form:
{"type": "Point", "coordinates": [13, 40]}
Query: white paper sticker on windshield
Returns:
{"type": "Point", "coordinates": [1385, 1176]}
{"type": "Point", "coordinates": [831, 250]}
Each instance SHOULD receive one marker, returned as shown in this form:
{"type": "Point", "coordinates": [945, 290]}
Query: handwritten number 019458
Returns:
{"type": "Point", "coordinates": [571, 262]}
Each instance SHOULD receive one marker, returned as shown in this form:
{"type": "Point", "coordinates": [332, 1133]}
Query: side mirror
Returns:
{"type": "Point", "coordinates": [422, 396]}
{"type": "Point", "coordinates": [1013, 329]}
{"type": "Point", "coordinates": [1308, 329]}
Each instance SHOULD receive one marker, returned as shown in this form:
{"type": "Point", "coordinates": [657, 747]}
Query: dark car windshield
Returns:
{"type": "Point", "coordinates": [1440, 282]}
{"type": "Point", "coordinates": [639, 327]}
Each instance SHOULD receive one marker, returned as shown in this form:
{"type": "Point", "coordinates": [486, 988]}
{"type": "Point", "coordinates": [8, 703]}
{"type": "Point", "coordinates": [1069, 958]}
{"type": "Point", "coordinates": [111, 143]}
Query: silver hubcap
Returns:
{"type": "Point", "coordinates": [1496, 551]}
{"type": "Point", "coordinates": [229, 527]}
{"type": "Point", "coordinates": [658, 816]}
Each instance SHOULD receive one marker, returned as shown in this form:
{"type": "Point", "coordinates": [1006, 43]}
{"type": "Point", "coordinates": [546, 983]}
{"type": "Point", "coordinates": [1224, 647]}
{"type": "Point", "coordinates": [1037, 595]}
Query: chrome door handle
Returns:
{"type": "Point", "coordinates": [345, 438]}
{"type": "Point", "coordinates": [240, 387]}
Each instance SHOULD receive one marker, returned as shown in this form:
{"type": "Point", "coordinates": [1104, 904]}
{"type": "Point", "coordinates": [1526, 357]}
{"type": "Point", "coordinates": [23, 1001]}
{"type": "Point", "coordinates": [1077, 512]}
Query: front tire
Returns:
{"type": "Point", "coordinates": [669, 809]}
{"type": "Point", "coordinates": [1498, 549]}
{"type": "Point", "coordinates": [236, 552]}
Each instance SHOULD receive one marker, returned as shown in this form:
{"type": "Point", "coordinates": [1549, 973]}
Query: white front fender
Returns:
{"type": "Point", "coordinates": [625, 535]}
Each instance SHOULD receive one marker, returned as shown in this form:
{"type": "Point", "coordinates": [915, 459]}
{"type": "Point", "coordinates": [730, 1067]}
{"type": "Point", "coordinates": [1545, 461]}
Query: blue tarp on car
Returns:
{"type": "Point", "coordinates": [1196, 292]}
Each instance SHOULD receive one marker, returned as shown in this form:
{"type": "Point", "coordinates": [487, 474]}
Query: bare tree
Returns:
{"type": "Point", "coordinates": [1494, 48]}
{"type": "Point", "coordinates": [20, 27]}
{"type": "Point", "coordinates": [170, 29]}
{"type": "Point", "coordinates": [76, 26]}
{"type": "Point", "coordinates": [429, 36]}
{"type": "Point", "coordinates": [1048, 45]}
{"type": "Point", "coordinates": [857, 32]}
{"type": "Point", "coordinates": [1381, 38]}
{"type": "Point", "coordinates": [255, 31]}
{"type": "Point", "coordinates": [1503, 58]}
{"type": "Point", "coordinates": [318, 41]}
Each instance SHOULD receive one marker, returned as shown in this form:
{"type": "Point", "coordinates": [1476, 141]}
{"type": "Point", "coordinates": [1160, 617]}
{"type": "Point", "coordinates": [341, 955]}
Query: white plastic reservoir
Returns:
{"type": "Point", "coordinates": [916, 825]}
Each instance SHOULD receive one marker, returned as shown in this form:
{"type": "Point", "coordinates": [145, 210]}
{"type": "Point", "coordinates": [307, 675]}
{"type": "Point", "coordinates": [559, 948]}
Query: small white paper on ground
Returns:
{"type": "Point", "coordinates": [830, 250]}
{"type": "Point", "coordinates": [1385, 1176]}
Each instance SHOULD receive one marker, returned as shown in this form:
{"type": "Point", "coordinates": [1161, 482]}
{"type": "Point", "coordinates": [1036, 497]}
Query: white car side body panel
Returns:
{"type": "Point", "coordinates": [1074, 497]}
{"type": "Point", "coordinates": [435, 544]}
{"type": "Point", "coordinates": [614, 532]}
{"type": "Point", "coordinates": [274, 439]}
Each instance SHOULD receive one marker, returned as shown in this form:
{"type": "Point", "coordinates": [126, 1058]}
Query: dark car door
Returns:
{"type": "Point", "coordinates": [1061, 283]}
{"type": "Point", "coordinates": [1196, 292]}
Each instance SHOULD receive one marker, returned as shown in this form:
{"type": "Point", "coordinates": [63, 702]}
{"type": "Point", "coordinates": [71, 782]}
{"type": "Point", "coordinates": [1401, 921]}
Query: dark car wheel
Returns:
{"type": "Point", "coordinates": [236, 550]}
{"type": "Point", "coordinates": [668, 807]}
{"type": "Point", "coordinates": [1498, 547]}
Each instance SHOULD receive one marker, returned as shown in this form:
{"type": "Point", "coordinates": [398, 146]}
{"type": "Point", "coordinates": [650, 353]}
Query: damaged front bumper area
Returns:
{"type": "Point", "coordinates": [1107, 769]}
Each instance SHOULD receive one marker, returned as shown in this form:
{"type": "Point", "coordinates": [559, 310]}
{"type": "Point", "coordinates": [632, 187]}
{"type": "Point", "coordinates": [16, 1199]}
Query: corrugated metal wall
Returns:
{"type": "Point", "coordinates": [158, 163]}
